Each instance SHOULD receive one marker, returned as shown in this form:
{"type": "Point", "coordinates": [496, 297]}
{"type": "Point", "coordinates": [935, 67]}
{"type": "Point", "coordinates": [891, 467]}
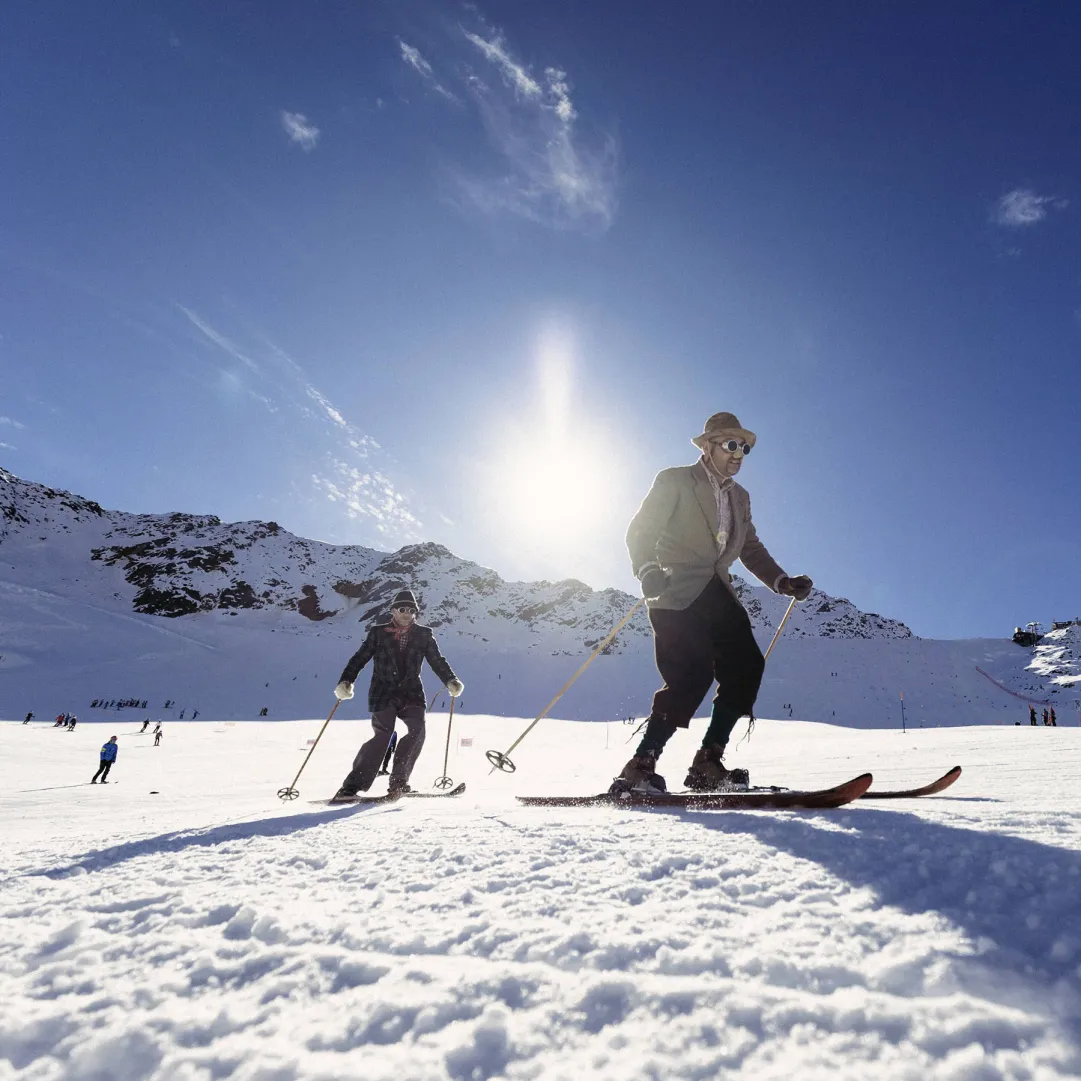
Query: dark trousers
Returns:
{"type": "Point", "coordinates": [709, 640]}
{"type": "Point", "coordinates": [103, 769]}
{"type": "Point", "coordinates": [368, 759]}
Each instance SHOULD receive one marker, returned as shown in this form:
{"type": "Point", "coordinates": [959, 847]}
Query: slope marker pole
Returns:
{"type": "Point", "coordinates": [501, 759]}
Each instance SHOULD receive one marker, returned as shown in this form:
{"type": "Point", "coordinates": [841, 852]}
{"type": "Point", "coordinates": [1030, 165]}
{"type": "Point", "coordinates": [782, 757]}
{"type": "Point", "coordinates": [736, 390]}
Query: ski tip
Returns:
{"type": "Point", "coordinates": [932, 789]}
{"type": "Point", "coordinates": [861, 783]}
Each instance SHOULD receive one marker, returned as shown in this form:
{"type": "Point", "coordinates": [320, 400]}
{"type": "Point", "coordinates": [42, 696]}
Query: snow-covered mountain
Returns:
{"type": "Point", "coordinates": [107, 604]}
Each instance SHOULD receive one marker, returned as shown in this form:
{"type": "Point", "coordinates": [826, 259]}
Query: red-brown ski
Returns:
{"type": "Point", "coordinates": [931, 789]}
{"type": "Point", "coordinates": [723, 801]}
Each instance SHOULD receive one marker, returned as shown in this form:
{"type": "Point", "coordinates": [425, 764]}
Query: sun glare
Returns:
{"type": "Point", "coordinates": [552, 474]}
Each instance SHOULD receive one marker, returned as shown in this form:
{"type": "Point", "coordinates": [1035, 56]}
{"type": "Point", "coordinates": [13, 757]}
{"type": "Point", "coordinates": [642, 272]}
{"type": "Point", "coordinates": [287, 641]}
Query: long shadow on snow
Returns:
{"type": "Point", "coordinates": [179, 840]}
{"type": "Point", "coordinates": [1020, 895]}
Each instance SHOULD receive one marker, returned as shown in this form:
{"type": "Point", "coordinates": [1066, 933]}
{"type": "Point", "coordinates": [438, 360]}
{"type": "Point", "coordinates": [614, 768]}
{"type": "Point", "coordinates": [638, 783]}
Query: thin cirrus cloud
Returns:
{"type": "Point", "coordinates": [549, 171]}
{"type": "Point", "coordinates": [300, 130]}
{"type": "Point", "coordinates": [1022, 207]}
{"type": "Point", "coordinates": [412, 57]}
{"type": "Point", "coordinates": [11, 422]}
{"type": "Point", "coordinates": [350, 472]}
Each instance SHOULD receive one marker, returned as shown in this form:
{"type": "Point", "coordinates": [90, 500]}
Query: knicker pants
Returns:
{"type": "Point", "coordinates": [709, 640]}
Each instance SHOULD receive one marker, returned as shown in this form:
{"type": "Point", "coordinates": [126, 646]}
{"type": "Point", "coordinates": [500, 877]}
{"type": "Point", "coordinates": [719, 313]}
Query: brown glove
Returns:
{"type": "Point", "coordinates": [799, 587]}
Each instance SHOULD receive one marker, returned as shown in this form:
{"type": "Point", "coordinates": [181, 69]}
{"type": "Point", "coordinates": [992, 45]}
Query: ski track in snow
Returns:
{"type": "Point", "coordinates": [208, 931]}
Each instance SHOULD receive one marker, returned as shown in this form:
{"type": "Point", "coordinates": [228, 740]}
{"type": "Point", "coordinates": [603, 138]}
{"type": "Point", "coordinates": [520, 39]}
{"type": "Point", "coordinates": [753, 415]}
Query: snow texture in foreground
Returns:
{"type": "Point", "coordinates": [208, 931]}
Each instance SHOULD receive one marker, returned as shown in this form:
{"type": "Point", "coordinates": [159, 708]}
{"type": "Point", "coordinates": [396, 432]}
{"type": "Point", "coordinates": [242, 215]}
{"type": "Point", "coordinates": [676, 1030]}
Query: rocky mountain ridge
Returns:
{"type": "Point", "coordinates": [179, 565]}
{"type": "Point", "coordinates": [236, 618]}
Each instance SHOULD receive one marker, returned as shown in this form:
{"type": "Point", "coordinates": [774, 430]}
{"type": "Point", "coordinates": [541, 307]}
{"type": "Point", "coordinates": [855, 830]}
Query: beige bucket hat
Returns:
{"type": "Point", "coordinates": [723, 424]}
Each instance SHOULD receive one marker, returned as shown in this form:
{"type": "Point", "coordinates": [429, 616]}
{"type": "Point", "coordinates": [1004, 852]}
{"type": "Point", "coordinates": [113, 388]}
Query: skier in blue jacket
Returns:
{"type": "Point", "coordinates": [108, 757]}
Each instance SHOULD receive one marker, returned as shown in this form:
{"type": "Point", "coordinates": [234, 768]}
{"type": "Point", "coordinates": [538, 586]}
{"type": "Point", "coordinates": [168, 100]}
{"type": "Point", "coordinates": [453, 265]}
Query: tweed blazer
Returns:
{"type": "Point", "coordinates": [391, 679]}
{"type": "Point", "coordinates": [676, 527]}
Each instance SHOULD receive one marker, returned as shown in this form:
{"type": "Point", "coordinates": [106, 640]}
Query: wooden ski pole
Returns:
{"type": "Point", "coordinates": [292, 791]}
{"type": "Point", "coordinates": [780, 627]}
{"type": "Point", "coordinates": [445, 781]}
{"type": "Point", "coordinates": [501, 759]}
{"type": "Point", "coordinates": [769, 650]}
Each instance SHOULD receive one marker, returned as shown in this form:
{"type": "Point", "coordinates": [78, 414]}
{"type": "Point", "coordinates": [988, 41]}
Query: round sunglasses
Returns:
{"type": "Point", "coordinates": [402, 611]}
{"type": "Point", "coordinates": [732, 445]}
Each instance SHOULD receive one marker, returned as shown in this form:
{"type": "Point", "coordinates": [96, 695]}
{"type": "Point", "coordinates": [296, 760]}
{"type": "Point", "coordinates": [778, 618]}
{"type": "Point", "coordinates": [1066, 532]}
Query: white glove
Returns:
{"type": "Point", "coordinates": [455, 687]}
{"type": "Point", "coordinates": [343, 690]}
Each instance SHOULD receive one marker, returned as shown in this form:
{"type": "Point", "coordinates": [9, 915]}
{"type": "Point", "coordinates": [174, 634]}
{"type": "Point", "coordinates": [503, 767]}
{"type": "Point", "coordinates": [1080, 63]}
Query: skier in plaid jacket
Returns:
{"type": "Point", "coordinates": [397, 650]}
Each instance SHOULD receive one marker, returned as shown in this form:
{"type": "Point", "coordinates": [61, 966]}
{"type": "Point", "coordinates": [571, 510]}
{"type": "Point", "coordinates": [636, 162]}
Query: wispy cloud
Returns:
{"type": "Point", "coordinates": [221, 340]}
{"type": "Point", "coordinates": [352, 472]}
{"type": "Point", "coordinates": [300, 130]}
{"type": "Point", "coordinates": [1022, 206]}
{"type": "Point", "coordinates": [8, 446]}
{"type": "Point", "coordinates": [516, 75]}
{"type": "Point", "coordinates": [369, 494]}
{"type": "Point", "coordinates": [11, 422]}
{"type": "Point", "coordinates": [412, 57]}
{"type": "Point", "coordinates": [549, 170]}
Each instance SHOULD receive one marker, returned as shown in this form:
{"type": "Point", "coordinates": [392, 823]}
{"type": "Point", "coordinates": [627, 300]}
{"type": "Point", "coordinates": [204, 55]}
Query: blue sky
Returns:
{"type": "Point", "coordinates": [385, 272]}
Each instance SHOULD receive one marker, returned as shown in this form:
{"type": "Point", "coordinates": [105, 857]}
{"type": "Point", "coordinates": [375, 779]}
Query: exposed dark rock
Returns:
{"type": "Point", "coordinates": [309, 606]}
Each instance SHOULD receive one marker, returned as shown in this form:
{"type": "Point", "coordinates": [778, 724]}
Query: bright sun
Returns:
{"type": "Point", "coordinates": [552, 475]}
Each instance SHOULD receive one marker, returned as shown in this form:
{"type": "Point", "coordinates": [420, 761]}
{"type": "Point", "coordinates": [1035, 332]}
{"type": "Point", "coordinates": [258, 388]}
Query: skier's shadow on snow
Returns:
{"type": "Point", "coordinates": [179, 840]}
{"type": "Point", "coordinates": [1018, 900]}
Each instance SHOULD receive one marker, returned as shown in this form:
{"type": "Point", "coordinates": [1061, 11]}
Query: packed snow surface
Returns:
{"type": "Point", "coordinates": [182, 924]}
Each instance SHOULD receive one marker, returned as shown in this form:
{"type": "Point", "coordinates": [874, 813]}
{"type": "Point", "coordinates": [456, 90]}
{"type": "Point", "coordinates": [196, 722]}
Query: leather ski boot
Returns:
{"type": "Point", "coordinates": [398, 787]}
{"type": "Point", "coordinates": [708, 773]}
{"type": "Point", "coordinates": [639, 775]}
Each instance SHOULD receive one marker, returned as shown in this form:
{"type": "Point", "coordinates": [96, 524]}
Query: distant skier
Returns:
{"type": "Point", "coordinates": [61, 720]}
{"type": "Point", "coordinates": [384, 769]}
{"type": "Point", "coordinates": [194, 714]}
{"type": "Point", "coordinates": [1054, 721]}
{"type": "Point", "coordinates": [397, 649]}
{"type": "Point", "coordinates": [692, 526]}
{"type": "Point", "coordinates": [108, 757]}
{"type": "Point", "coordinates": [29, 718]}
{"type": "Point", "coordinates": [1032, 716]}
{"type": "Point", "coordinates": [157, 735]}
{"type": "Point", "coordinates": [72, 722]}
{"type": "Point", "coordinates": [1046, 719]}
{"type": "Point", "coordinates": [146, 725]}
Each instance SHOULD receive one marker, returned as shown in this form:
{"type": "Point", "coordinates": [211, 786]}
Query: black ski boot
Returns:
{"type": "Point", "coordinates": [639, 775]}
{"type": "Point", "coordinates": [708, 773]}
{"type": "Point", "coordinates": [397, 787]}
{"type": "Point", "coordinates": [343, 795]}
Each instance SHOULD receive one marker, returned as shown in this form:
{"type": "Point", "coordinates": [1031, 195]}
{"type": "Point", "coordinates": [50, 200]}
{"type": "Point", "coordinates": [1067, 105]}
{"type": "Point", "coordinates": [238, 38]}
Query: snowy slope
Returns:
{"type": "Point", "coordinates": [206, 931]}
{"type": "Point", "coordinates": [229, 619]}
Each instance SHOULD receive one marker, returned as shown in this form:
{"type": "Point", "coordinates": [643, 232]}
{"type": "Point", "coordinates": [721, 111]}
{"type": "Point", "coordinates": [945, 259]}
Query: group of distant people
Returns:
{"type": "Point", "coordinates": [1048, 717]}
{"type": "Point", "coordinates": [63, 720]}
{"type": "Point", "coordinates": [157, 730]}
{"type": "Point", "coordinates": [135, 703]}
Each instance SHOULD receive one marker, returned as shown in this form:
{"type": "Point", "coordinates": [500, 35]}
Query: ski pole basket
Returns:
{"type": "Point", "coordinates": [501, 760]}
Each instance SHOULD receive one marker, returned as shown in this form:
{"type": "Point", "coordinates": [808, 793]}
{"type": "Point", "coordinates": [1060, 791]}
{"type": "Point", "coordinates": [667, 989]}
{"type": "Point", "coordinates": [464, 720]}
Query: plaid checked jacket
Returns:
{"type": "Point", "coordinates": [392, 680]}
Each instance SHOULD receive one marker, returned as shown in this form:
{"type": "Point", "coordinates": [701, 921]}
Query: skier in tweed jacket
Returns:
{"type": "Point", "coordinates": [397, 650]}
{"type": "Point", "coordinates": [692, 526]}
